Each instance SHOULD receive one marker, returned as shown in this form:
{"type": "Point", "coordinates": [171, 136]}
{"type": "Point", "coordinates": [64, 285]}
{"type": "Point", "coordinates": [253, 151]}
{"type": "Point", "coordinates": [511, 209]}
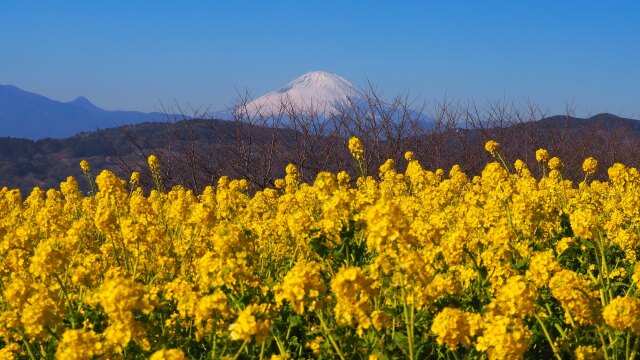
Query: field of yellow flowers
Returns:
{"type": "Point", "coordinates": [412, 264]}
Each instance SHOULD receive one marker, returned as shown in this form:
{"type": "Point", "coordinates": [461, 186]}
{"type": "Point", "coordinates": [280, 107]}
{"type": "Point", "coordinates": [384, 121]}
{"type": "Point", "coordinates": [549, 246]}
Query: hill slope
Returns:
{"type": "Point", "coordinates": [196, 152]}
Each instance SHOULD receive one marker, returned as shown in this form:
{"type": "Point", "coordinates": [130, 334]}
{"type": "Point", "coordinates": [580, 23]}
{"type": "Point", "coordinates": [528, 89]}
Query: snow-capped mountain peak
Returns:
{"type": "Point", "coordinates": [317, 91]}
{"type": "Point", "coordinates": [315, 80]}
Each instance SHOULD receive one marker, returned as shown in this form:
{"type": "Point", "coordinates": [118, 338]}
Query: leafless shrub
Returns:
{"type": "Point", "coordinates": [257, 144]}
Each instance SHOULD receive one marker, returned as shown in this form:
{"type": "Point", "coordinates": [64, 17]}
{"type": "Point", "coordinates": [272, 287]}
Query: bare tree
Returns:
{"type": "Point", "coordinates": [257, 143]}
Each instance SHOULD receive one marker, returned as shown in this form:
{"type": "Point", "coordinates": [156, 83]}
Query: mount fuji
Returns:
{"type": "Point", "coordinates": [314, 92]}
{"type": "Point", "coordinates": [320, 93]}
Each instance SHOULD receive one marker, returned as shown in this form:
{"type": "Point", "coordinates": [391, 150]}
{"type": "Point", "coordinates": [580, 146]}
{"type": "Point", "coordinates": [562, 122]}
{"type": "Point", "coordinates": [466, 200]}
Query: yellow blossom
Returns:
{"type": "Point", "coordinates": [492, 147]}
{"type": "Point", "coordinates": [353, 293]}
{"type": "Point", "coordinates": [453, 327]}
{"type": "Point", "coordinates": [302, 285]}
{"type": "Point", "coordinates": [355, 147]}
{"type": "Point", "coordinates": [154, 163]}
{"type": "Point", "coordinates": [409, 156]}
{"type": "Point", "coordinates": [169, 354]}
{"type": "Point", "coordinates": [636, 273]}
{"type": "Point", "coordinates": [590, 165]}
{"type": "Point", "coordinates": [84, 166]}
{"type": "Point", "coordinates": [588, 353]}
{"type": "Point", "coordinates": [135, 178]}
{"type": "Point", "coordinates": [516, 298]}
{"type": "Point", "coordinates": [504, 338]}
{"type": "Point", "coordinates": [542, 155]}
{"type": "Point", "coordinates": [576, 297]}
{"type": "Point", "coordinates": [251, 322]}
{"type": "Point", "coordinates": [623, 313]}
{"type": "Point", "coordinates": [79, 344]}
{"type": "Point", "coordinates": [314, 345]}
{"type": "Point", "coordinates": [555, 163]}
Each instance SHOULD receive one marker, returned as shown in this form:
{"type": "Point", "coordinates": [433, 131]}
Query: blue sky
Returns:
{"type": "Point", "coordinates": [138, 55]}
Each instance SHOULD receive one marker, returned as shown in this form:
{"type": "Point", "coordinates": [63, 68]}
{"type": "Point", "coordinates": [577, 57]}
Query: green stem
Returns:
{"type": "Point", "coordinates": [29, 350]}
{"type": "Point", "coordinates": [604, 344]}
{"type": "Point", "coordinates": [66, 297]}
{"type": "Point", "coordinates": [262, 350]}
{"type": "Point", "coordinates": [213, 347]}
{"type": "Point", "coordinates": [407, 319]}
{"type": "Point", "coordinates": [635, 349]}
{"type": "Point", "coordinates": [504, 163]}
{"type": "Point", "coordinates": [628, 342]}
{"type": "Point", "coordinates": [92, 186]}
{"type": "Point", "coordinates": [288, 331]}
{"type": "Point", "coordinates": [546, 334]}
{"type": "Point", "coordinates": [280, 345]}
{"type": "Point", "coordinates": [604, 273]}
{"type": "Point", "coordinates": [362, 168]}
{"type": "Point", "coordinates": [331, 340]}
{"type": "Point", "coordinates": [244, 344]}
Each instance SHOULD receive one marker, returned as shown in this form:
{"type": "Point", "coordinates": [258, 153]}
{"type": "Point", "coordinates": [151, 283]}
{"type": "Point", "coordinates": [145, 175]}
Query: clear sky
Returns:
{"type": "Point", "coordinates": [137, 55]}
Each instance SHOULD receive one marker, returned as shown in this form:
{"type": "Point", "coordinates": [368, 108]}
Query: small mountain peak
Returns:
{"type": "Point", "coordinates": [81, 100]}
{"type": "Point", "coordinates": [84, 103]}
{"type": "Point", "coordinates": [604, 116]}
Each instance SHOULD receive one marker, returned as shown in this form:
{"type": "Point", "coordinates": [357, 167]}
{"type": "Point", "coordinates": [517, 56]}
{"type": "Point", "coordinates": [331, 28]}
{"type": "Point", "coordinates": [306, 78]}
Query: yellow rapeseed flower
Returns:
{"type": "Point", "coordinates": [10, 351]}
{"type": "Point", "coordinates": [555, 163]}
{"type": "Point", "coordinates": [135, 178]}
{"type": "Point", "coordinates": [636, 273]}
{"type": "Point", "coordinates": [492, 147]}
{"type": "Point", "coordinates": [168, 354]}
{"type": "Point", "coordinates": [154, 163]}
{"type": "Point", "coordinates": [588, 353]}
{"type": "Point", "coordinates": [409, 156]}
{"type": "Point", "coordinates": [576, 297]}
{"type": "Point", "coordinates": [623, 313]}
{"type": "Point", "coordinates": [301, 286]}
{"type": "Point", "coordinates": [353, 293]}
{"type": "Point", "coordinates": [504, 338]}
{"type": "Point", "coordinates": [314, 345]}
{"type": "Point", "coordinates": [84, 165]}
{"type": "Point", "coordinates": [542, 155]}
{"type": "Point", "coordinates": [356, 148]}
{"type": "Point", "coordinates": [590, 165]}
{"type": "Point", "coordinates": [79, 344]}
{"type": "Point", "coordinates": [251, 322]}
{"type": "Point", "coordinates": [516, 298]}
{"type": "Point", "coordinates": [453, 327]}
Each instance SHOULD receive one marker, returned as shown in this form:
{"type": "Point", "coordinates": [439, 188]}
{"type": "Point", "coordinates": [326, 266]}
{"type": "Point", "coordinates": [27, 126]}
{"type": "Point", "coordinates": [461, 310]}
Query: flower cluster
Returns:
{"type": "Point", "coordinates": [410, 263]}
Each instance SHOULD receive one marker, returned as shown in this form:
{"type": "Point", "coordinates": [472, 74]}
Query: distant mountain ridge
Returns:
{"type": "Point", "coordinates": [28, 115]}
